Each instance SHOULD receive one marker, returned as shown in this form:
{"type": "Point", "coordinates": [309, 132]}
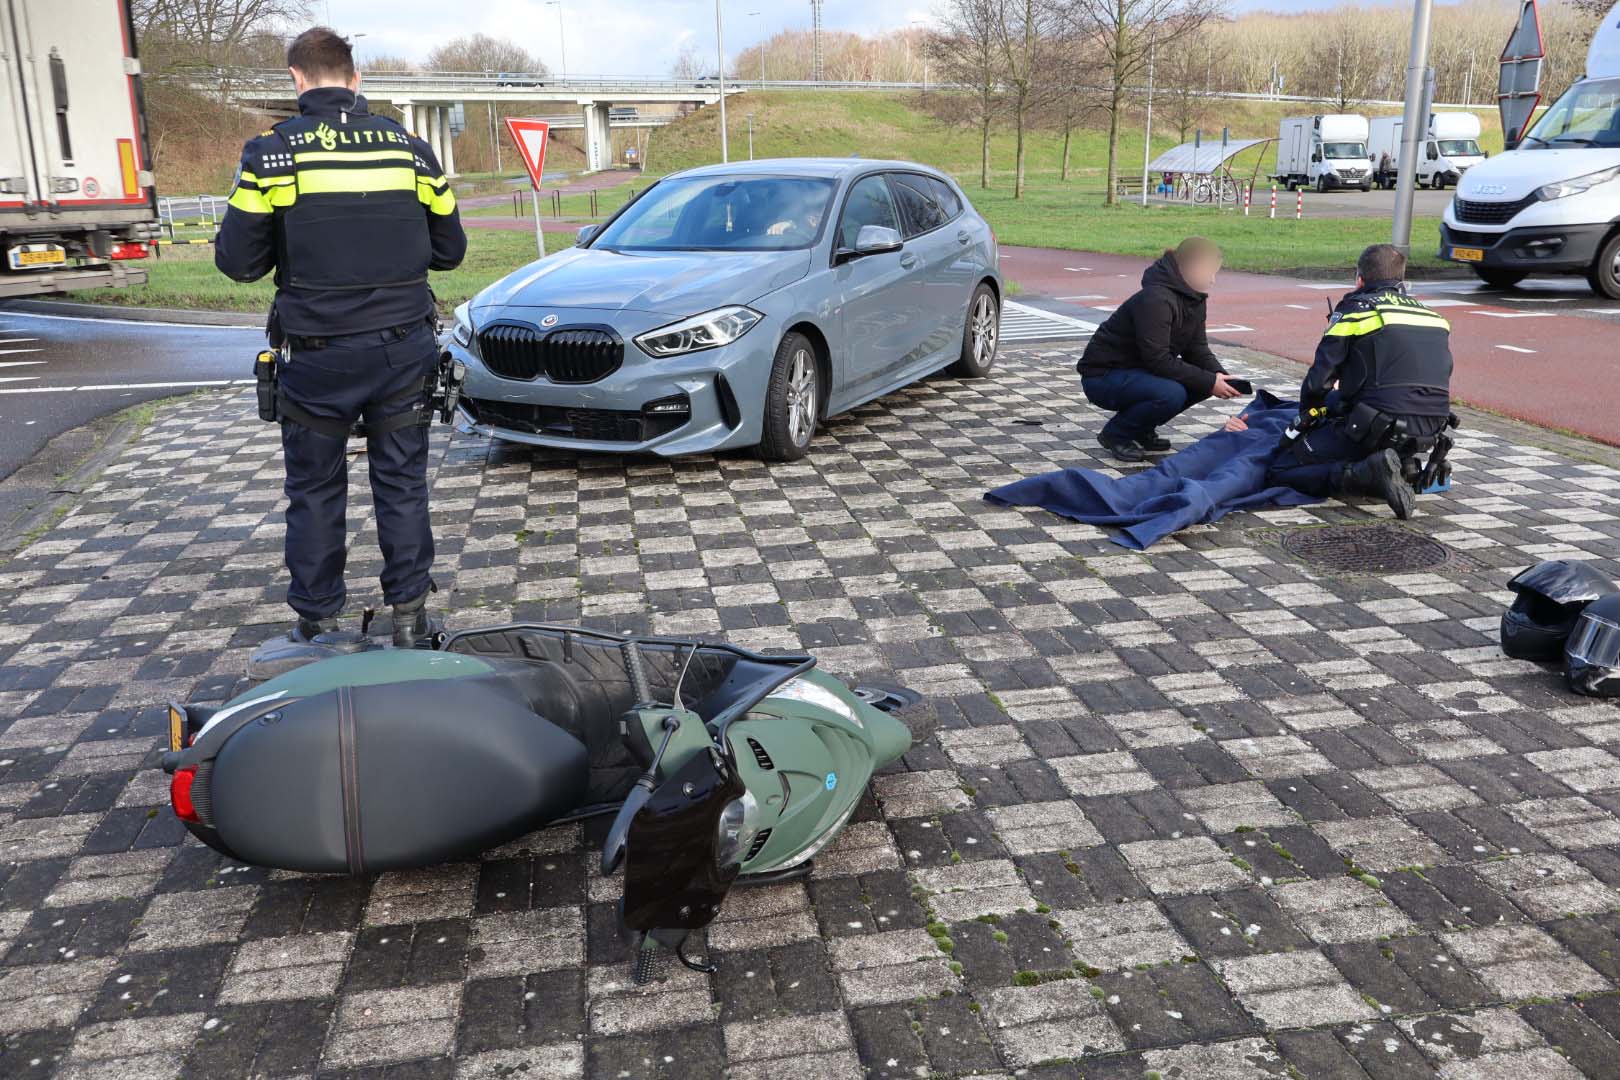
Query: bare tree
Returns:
{"type": "Point", "coordinates": [964, 52]}
{"type": "Point", "coordinates": [480, 52]}
{"type": "Point", "coordinates": [1184, 71]}
{"type": "Point", "coordinates": [1129, 32]}
{"type": "Point", "coordinates": [689, 63]}
{"type": "Point", "coordinates": [1068, 97]}
{"type": "Point", "coordinates": [189, 33]}
{"type": "Point", "coordinates": [1349, 60]}
{"type": "Point", "coordinates": [1020, 36]}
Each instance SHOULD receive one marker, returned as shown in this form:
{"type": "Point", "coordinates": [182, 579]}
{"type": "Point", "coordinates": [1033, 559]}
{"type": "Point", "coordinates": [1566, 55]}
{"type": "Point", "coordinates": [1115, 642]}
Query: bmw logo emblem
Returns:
{"type": "Point", "coordinates": [549, 320]}
{"type": "Point", "coordinates": [832, 781]}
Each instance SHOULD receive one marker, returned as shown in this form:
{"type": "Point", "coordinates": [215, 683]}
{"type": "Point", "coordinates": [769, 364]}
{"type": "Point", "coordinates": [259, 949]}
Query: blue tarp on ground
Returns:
{"type": "Point", "coordinates": [1222, 472]}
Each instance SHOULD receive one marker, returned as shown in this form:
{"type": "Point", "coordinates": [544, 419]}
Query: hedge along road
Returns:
{"type": "Point", "coordinates": [1547, 351]}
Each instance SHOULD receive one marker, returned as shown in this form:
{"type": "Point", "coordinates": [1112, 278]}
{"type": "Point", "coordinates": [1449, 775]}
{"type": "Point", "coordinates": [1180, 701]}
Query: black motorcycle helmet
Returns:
{"type": "Point", "coordinates": [1592, 657]}
{"type": "Point", "coordinates": [1549, 598]}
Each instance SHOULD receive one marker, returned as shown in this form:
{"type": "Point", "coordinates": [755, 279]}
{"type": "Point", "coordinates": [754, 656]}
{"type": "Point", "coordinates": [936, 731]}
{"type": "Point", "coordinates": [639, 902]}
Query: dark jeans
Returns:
{"type": "Point", "coordinates": [1139, 401]}
{"type": "Point", "coordinates": [370, 375]}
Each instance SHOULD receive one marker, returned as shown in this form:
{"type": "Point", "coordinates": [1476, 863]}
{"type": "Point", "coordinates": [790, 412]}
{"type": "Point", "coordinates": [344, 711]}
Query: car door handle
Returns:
{"type": "Point", "coordinates": [963, 236]}
{"type": "Point", "coordinates": [908, 261]}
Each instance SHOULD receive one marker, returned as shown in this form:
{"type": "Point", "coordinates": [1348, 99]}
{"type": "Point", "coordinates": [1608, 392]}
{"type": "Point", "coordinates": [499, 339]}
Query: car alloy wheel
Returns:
{"type": "Point", "coordinates": [801, 397]}
{"type": "Point", "coordinates": [985, 328]}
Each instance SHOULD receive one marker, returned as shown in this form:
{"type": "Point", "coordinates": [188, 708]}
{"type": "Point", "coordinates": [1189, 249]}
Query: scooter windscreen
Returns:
{"type": "Point", "coordinates": [685, 847]}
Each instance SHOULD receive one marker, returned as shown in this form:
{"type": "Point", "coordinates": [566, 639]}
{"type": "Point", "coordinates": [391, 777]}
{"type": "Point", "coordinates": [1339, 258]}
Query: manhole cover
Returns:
{"type": "Point", "coordinates": [1365, 549]}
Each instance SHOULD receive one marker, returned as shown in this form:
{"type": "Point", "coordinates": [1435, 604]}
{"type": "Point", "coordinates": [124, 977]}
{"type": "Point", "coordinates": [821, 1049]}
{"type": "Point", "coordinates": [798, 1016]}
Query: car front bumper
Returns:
{"type": "Point", "coordinates": [1543, 249]}
{"type": "Point", "coordinates": [693, 404]}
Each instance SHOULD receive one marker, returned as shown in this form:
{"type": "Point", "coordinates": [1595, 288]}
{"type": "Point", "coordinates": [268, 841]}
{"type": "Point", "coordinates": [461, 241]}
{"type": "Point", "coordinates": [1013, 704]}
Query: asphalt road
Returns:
{"type": "Point", "coordinates": [1546, 351]}
{"type": "Point", "coordinates": [57, 372]}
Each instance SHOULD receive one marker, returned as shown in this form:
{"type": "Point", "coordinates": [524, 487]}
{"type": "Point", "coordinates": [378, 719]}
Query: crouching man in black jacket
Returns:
{"type": "Point", "coordinates": [1150, 361]}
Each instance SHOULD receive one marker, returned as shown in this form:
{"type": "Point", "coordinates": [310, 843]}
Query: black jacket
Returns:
{"type": "Point", "coordinates": [1159, 330]}
{"type": "Point", "coordinates": [1385, 349]}
{"type": "Point", "coordinates": [350, 210]}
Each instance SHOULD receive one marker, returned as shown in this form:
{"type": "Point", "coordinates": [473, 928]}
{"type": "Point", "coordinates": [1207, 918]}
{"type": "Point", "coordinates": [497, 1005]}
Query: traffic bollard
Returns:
{"type": "Point", "coordinates": [1299, 205]}
{"type": "Point", "coordinates": [1273, 200]}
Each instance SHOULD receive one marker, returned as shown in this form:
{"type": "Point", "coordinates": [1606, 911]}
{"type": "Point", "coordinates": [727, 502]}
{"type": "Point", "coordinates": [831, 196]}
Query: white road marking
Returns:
{"type": "Point", "coordinates": [1313, 285]}
{"type": "Point", "coordinates": [1087, 296]}
{"type": "Point", "coordinates": [1300, 307]}
{"type": "Point", "coordinates": [21, 363]}
{"type": "Point", "coordinates": [1516, 314]}
{"type": "Point", "coordinates": [1537, 299]}
{"type": "Point", "coordinates": [1020, 322]}
{"type": "Point", "coordinates": [1234, 328]}
{"type": "Point", "coordinates": [19, 378]}
{"type": "Point", "coordinates": [117, 386]}
{"type": "Point", "coordinates": [16, 340]}
{"type": "Point", "coordinates": [8, 352]}
{"type": "Point", "coordinates": [1515, 348]}
{"type": "Point", "coordinates": [133, 322]}
{"type": "Point", "coordinates": [1078, 269]}
{"type": "Point", "coordinates": [1602, 310]}
{"type": "Point", "coordinates": [1441, 301]}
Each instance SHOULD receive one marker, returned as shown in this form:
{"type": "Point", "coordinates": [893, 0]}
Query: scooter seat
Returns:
{"type": "Point", "coordinates": [379, 777]}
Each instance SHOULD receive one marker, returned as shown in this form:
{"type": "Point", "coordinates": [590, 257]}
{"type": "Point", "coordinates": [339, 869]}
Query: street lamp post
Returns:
{"type": "Point", "coordinates": [761, 58]}
{"type": "Point", "coordinates": [720, 51]}
{"type": "Point", "coordinates": [562, 45]}
{"type": "Point", "coordinates": [1412, 126]}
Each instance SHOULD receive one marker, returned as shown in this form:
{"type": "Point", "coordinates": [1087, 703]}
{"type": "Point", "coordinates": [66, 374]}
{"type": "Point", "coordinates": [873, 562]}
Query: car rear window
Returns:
{"type": "Point", "coordinates": [918, 203]}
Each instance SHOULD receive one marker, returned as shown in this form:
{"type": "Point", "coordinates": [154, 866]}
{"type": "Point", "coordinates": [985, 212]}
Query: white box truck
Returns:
{"type": "Point", "coordinates": [77, 204]}
{"type": "Point", "coordinates": [1449, 148]}
{"type": "Point", "coordinates": [1551, 205]}
{"type": "Point", "coordinates": [1324, 152]}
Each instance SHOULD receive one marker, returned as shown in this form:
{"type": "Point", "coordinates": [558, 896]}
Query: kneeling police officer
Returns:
{"type": "Point", "coordinates": [351, 211]}
{"type": "Point", "coordinates": [1381, 379]}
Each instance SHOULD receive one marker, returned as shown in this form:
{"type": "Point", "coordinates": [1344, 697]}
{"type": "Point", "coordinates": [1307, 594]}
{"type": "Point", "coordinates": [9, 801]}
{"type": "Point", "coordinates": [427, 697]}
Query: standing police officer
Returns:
{"type": "Point", "coordinates": [1383, 373]}
{"type": "Point", "coordinates": [351, 211]}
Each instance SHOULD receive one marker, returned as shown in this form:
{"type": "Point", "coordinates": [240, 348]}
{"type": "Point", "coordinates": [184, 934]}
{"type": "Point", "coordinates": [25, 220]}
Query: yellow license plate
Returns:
{"type": "Point", "coordinates": [40, 258]}
{"type": "Point", "coordinates": [1468, 254]}
{"type": "Point", "coordinates": [177, 728]}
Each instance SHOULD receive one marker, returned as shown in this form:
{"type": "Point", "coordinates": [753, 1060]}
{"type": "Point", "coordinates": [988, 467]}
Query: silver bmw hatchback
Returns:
{"type": "Point", "coordinates": [735, 306]}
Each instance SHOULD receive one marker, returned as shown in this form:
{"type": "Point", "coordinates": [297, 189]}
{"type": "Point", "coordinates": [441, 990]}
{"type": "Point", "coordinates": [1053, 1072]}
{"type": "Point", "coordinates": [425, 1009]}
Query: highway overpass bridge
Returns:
{"type": "Point", "coordinates": [426, 99]}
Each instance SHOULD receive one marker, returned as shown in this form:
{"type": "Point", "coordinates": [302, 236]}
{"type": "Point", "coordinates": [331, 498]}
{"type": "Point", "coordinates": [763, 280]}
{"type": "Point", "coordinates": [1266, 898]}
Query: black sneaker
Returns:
{"type": "Point", "coordinates": [1153, 443]}
{"type": "Point", "coordinates": [1126, 450]}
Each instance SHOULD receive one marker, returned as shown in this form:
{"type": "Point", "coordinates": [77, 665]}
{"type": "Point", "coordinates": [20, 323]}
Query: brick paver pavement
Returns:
{"type": "Point", "coordinates": [1199, 813]}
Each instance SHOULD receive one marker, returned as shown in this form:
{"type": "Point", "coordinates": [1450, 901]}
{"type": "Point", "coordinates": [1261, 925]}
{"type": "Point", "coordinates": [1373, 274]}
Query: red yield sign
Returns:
{"type": "Point", "coordinates": [530, 136]}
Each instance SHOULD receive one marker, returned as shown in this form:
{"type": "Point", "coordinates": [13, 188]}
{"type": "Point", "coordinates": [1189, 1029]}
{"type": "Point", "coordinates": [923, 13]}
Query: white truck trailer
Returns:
{"type": "Point", "coordinates": [1551, 205]}
{"type": "Point", "coordinates": [1450, 147]}
{"type": "Point", "coordinates": [1325, 152]}
{"type": "Point", "coordinates": [77, 204]}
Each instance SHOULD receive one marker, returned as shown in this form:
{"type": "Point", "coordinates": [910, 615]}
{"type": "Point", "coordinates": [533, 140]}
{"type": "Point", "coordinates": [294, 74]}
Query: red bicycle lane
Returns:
{"type": "Point", "coordinates": [1547, 352]}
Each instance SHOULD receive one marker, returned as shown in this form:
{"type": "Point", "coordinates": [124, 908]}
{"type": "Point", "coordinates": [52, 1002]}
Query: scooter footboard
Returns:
{"type": "Point", "coordinates": [366, 778]}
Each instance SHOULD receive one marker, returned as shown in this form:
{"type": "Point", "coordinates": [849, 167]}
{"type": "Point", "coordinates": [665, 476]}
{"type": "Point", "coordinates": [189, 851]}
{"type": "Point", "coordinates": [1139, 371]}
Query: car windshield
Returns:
{"type": "Point", "coordinates": [1587, 115]}
{"type": "Point", "coordinates": [1340, 151]}
{"type": "Point", "coordinates": [722, 213]}
{"type": "Point", "coordinates": [1459, 148]}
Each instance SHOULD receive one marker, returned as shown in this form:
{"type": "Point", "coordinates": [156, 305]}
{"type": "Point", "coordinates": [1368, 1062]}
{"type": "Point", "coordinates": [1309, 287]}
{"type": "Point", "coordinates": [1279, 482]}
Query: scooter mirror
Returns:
{"type": "Point", "coordinates": [672, 879]}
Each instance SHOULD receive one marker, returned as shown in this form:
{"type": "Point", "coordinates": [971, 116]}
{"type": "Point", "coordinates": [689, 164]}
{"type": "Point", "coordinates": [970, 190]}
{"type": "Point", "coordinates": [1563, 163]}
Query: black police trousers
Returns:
{"type": "Point", "coordinates": [1313, 463]}
{"type": "Point", "coordinates": [373, 376]}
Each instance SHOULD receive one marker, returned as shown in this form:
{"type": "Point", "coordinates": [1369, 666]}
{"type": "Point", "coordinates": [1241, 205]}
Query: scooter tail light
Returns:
{"type": "Point", "coordinates": [180, 794]}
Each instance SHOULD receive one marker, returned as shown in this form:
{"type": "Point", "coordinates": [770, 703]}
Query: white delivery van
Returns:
{"type": "Point", "coordinates": [76, 198]}
{"type": "Point", "coordinates": [1450, 147]}
{"type": "Point", "coordinates": [1328, 151]}
{"type": "Point", "coordinates": [1551, 205]}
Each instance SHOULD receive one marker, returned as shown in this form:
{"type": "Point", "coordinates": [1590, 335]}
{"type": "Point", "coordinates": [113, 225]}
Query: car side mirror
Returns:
{"type": "Point", "coordinates": [1316, 157]}
{"type": "Point", "coordinates": [877, 240]}
{"type": "Point", "coordinates": [584, 235]}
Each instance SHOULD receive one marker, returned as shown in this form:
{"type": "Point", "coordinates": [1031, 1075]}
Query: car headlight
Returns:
{"type": "Point", "coordinates": [709, 330]}
{"type": "Point", "coordinates": [462, 332]}
{"type": "Point", "coordinates": [1575, 186]}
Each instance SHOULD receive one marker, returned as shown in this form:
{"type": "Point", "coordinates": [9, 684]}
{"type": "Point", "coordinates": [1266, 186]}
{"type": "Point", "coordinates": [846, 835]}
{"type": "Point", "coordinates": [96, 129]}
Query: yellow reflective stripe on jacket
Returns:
{"type": "Point", "coordinates": [324, 181]}
{"type": "Point", "coordinates": [249, 200]}
{"type": "Point", "coordinates": [1354, 325]}
{"type": "Point", "coordinates": [1405, 316]}
{"type": "Point", "coordinates": [353, 155]}
{"type": "Point", "coordinates": [435, 195]}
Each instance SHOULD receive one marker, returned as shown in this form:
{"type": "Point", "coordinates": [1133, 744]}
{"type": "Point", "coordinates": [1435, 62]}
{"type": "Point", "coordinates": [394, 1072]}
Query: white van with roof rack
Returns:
{"type": "Point", "coordinates": [1552, 204]}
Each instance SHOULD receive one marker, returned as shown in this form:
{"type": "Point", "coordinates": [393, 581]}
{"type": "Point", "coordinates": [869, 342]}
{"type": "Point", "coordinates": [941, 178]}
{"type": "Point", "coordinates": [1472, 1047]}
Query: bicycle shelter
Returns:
{"type": "Point", "coordinates": [1202, 172]}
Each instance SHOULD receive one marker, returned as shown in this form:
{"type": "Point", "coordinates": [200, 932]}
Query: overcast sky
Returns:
{"type": "Point", "coordinates": [621, 37]}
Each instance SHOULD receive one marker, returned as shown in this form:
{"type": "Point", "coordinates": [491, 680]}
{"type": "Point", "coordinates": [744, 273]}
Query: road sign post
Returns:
{"type": "Point", "coordinates": [531, 137]}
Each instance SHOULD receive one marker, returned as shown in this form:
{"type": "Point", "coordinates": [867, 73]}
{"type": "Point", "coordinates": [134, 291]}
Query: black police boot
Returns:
{"type": "Point", "coordinates": [1379, 474]}
{"type": "Point", "coordinates": [1126, 450]}
{"type": "Point", "coordinates": [1153, 442]}
{"type": "Point", "coordinates": [414, 628]}
{"type": "Point", "coordinates": [308, 641]}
